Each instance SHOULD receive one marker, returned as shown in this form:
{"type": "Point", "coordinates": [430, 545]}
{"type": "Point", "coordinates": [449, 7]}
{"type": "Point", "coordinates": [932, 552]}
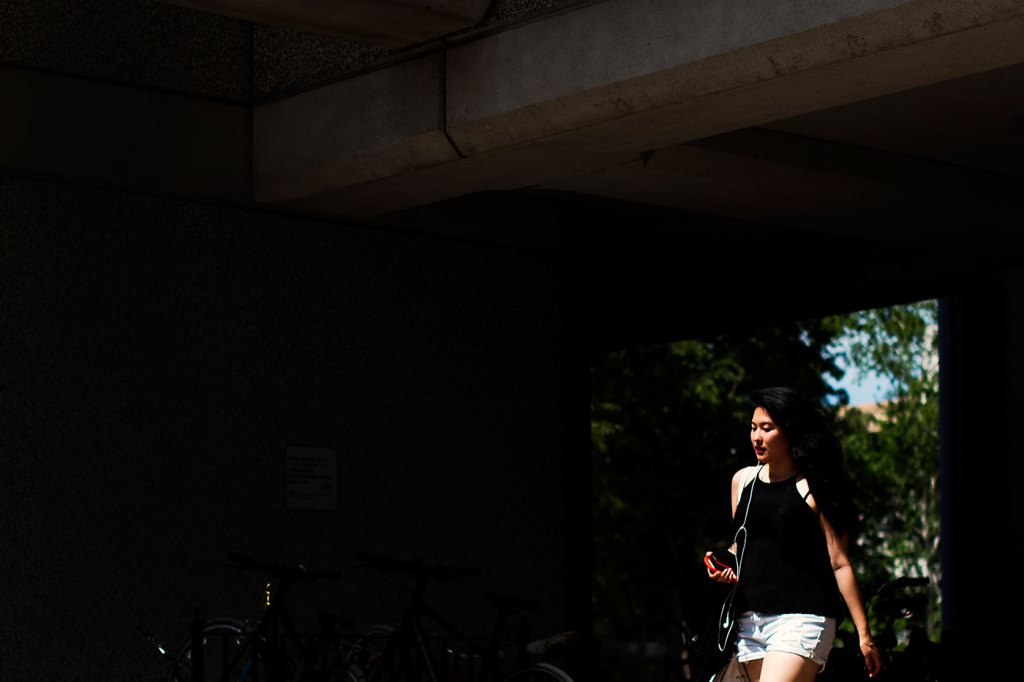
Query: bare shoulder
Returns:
{"type": "Point", "coordinates": [738, 479]}
{"type": "Point", "coordinates": [742, 476]}
{"type": "Point", "coordinates": [804, 488]}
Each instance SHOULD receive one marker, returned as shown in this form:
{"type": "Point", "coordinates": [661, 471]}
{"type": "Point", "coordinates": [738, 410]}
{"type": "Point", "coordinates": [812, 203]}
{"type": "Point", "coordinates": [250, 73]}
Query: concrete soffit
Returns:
{"type": "Point", "coordinates": [548, 101]}
{"type": "Point", "coordinates": [765, 176]}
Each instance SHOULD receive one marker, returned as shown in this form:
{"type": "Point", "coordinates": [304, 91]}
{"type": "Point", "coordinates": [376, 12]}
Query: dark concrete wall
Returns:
{"type": "Point", "coordinates": [158, 356]}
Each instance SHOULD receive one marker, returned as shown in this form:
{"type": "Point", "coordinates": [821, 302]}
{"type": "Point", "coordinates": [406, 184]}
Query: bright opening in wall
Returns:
{"type": "Point", "coordinates": [669, 428]}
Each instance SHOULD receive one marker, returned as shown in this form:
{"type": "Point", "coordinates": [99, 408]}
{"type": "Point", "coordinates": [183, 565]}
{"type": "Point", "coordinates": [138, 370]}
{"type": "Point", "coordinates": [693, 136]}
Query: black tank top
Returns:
{"type": "Point", "coordinates": [786, 566]}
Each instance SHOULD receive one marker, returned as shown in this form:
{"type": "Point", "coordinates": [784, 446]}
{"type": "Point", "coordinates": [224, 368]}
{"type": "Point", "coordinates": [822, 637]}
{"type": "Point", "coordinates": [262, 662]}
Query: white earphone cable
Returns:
{"type": "Point", "coordinates": [725, 619]}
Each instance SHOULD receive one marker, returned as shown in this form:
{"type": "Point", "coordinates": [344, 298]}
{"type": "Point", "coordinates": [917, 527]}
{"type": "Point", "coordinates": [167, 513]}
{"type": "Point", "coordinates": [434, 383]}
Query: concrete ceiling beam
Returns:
{"type": "Point", "coordinates": [389, 23]}
{"type": "Point", "coordinates": [385, 123]}
{"type": "Point", "coordinates": [673, 63]}
{"type": "Point", "coordinates": [784, 179]}
{"type": "Point", "coordinates": [597, 86]}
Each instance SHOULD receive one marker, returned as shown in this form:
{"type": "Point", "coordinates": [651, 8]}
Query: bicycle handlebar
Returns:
{"type": "Point", "coordinates": [562, 639]}
{"type": "Point", "coordinates": [299, 572]}
{"type": "Point", "coordinates": [503, 602]}
{"type": "Point", "coordinates": [900, 583]}
{"type": "Point", "coordinates": [416, 567]}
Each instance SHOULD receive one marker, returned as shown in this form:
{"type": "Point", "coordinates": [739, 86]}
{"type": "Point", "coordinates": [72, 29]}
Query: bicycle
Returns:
{"type": "Point", "coordinates": [402, 653]}
{"type": "Point", "coordinates": [915, 663]}
{"type": "Point", "coordinates": [270, 648]}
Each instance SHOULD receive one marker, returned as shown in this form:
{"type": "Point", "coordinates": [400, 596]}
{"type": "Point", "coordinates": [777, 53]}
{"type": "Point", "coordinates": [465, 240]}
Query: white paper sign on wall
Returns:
{"type": "Point", "coordinates": [312, 478]}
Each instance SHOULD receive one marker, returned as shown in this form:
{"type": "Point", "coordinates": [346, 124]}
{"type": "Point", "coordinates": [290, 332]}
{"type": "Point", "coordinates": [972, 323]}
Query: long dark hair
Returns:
{"type": "Point", "coordinates": [816, 451]}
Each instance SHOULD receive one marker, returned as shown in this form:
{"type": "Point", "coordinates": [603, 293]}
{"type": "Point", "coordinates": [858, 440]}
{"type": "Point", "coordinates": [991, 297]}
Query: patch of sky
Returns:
{"type": "Point", "coordinates": [863, 387]}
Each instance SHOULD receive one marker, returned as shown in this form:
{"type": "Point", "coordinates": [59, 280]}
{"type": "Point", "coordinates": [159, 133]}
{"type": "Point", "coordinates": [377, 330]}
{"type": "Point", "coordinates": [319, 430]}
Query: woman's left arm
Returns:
{"type": "Point", "coordinates": [848, 587]}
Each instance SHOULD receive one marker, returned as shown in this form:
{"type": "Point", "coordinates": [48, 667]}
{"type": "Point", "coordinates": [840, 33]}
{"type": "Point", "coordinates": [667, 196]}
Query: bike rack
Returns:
{"type": "Point", "coordinates": [197, 651]}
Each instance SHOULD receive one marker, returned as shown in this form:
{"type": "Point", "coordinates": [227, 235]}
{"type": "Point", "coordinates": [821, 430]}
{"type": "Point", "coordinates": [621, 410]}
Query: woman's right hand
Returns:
{"type": "Point", "coordinates": [724, 576]}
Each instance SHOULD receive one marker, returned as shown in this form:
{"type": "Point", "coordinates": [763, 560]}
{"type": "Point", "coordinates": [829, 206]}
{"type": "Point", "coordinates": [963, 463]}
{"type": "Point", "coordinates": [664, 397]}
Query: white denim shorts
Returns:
{"type": "Point", "coordinates": [802, 634]}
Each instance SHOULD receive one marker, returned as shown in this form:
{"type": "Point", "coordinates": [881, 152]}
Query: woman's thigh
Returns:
{"type": "Point", "coordinates": [781, 666]}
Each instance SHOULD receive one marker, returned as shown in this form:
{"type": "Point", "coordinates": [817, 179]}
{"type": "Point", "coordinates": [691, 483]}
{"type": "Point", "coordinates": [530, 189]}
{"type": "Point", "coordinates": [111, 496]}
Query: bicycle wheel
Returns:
{"type": "Point", "coordinates": [388, 656]}
{"type": "Point", "coordinates": [334, 659]}
{"type": "Point", "coordinates": [539, 672]}
{"type": "Point", "coordinates": [222, 639]}
{"type": "Point", "coordinates": [351, 673]}
{"type": "Point", "coordinates": [370, 648]}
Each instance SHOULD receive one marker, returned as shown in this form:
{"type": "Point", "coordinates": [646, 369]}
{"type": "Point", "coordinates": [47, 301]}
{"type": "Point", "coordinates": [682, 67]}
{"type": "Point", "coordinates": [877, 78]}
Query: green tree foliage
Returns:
{"type": "Point", "coordinates": [894, 455]}
{"type": "Point", "coordinates": [669, 427]}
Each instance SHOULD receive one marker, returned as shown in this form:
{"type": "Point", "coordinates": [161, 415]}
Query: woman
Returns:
{"type": "Point", "coordinates": [794, 570]}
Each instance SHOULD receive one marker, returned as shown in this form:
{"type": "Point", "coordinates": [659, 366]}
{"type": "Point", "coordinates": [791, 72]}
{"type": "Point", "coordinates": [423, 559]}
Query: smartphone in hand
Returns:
{"type": "Point", "coordinates": [719, 560]}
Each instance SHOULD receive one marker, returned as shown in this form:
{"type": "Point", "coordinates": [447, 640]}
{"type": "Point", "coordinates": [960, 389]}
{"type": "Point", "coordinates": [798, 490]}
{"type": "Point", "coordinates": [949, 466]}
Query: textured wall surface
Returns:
{"type": "Point", "coordinates": [153, 44]}
{"type": "Point", "coordinates": [158, 356]}
{"type": "Point", "coordinates": [136, 42]}
{"type": "Point", "coordinates": [286, 60]}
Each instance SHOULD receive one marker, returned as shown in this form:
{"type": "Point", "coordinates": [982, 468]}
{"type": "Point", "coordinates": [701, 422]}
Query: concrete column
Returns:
{"type": "Point", "coordinates": [981, 462]}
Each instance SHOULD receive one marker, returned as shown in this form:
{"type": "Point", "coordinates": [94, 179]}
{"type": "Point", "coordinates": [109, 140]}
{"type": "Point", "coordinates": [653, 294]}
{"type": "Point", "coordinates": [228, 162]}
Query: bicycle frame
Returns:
{"type": "Point", "coordinates": [407, 646]}
{"type": "Point", "coordinates": [260, 640]}
{"type": "Point", "coordinates": [269, 638]}
{"type": "Point", "coordinates": [406, 656]}
{"type": "Point", "coordinates": [263, 646]}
